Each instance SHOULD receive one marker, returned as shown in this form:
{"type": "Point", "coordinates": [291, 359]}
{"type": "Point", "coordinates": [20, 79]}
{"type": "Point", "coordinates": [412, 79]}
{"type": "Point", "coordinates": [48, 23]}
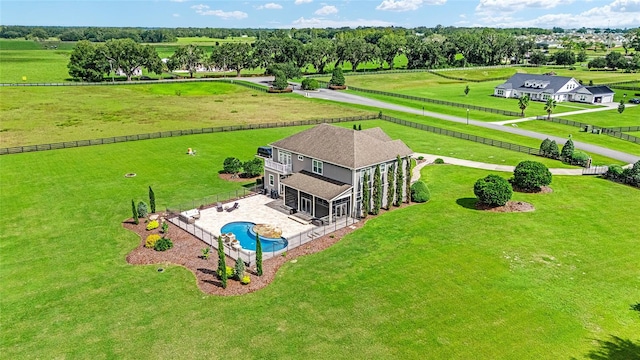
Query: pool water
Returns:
{"type": "Point", "coordinates": [243, 230]}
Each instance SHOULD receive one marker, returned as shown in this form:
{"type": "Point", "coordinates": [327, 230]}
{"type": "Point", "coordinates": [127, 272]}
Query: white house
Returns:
{"type": "Point", "coordinates": [560, 88]}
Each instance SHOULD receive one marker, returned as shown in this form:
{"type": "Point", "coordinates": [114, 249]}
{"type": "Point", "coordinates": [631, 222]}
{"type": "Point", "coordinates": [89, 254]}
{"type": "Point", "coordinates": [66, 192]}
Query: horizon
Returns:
{"type": "Point", "coordinates": [300, 14]}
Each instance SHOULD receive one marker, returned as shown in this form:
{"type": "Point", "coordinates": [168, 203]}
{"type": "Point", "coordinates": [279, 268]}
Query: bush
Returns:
{"type": "Point", "coordinates": [231, 165]}
{"type": "Point", "coordinates": [150, 243]}
{"type": "Point", "coordinates": [280, 82]}
{"type": "Point", "coordinates": [163, 244]}
{"type": "Point", "coordinates": [143, 210]}
{"type": "Point", "coordinates": [310, 84]}
{"type": "Point", "coordinates": [579, 158]}
{"type": "Point", "coordinates": [152, 225]}
{"type": "Point", "coordinates": [239, 270]}
{"type": "Point", "coordinates": [614, 172]}
{"type": "Point", "coordinates": [493, 190]}
{"type": "Point", "coordinates": [438, 161]}
{"type": "Point", "coordinates": [531, 175]}
{"type": "Point", "coordinates": [252, 168]}
{"type": "Point", "coordinates": [165, 227]}
{"type": "Point", "coordinates": [246, 280]}
{"type": "Point", "coordinates": [230, 272]}
{"type": "Point", "coordinates": [420, 192]}
{"type": "Point", "coordinates": [337, 78]}
{"type": "Point", "coordinates": [420, 157]}
{"type": "Point", "coordinates": [567, 150]}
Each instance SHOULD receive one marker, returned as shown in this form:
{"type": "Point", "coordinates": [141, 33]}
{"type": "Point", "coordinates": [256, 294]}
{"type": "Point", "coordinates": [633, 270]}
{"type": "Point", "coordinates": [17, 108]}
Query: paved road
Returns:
{"type": "Point", "coordinates": [341, 96]}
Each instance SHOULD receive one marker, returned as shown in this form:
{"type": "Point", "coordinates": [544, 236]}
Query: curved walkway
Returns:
{"type": "Point", "coordinates": [430, 158]}
{"type": "Point", "coordinates": [341, 96]}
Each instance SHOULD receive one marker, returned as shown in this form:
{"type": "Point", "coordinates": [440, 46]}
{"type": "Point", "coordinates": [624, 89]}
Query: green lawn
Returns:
{"type": "Point", "coordinates": [464, 283]}
{"type": "Point", "coordinates": [609, 118]}
{"type": "Point", "coordinates": [38, 66]}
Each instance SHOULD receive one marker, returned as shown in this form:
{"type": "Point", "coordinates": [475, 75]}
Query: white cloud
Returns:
{"type": "Point", "coordinates": [270, 6]}
{"type": "Point", "coordinates": [406, 5]}
{"type": "Point", "coordinates": [326, 23]}
{"type": "Point", "coordinates": [517, 5]}
{"type": "Point", "coordinates": [326, 10]}
{"type": "Point", "coordinates": [204, 10]}
{"type": "Point", "coordinates": [299, 2]}
{"type": "Point", "coordinates": [175, 15]}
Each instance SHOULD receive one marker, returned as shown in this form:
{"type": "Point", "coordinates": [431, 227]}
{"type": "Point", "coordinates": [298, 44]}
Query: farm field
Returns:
{"type": "Point", "coordinates": [609, 118]}
{"type": "Point", "coordinates": [39, 66]}
{"type": "Point", "coordinates": [476, 286]}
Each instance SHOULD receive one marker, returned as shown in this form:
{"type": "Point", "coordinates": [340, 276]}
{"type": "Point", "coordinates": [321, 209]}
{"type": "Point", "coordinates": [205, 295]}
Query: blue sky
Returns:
{"type": "Point", "coordinates": [316, 13]}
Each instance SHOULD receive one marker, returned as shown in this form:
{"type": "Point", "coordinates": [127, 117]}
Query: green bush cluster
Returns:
{"type": "Point", "coordinates": [579, 158]}
{"type": "Point", "coordinates": [163, 244]}
{"type": "Point", "coordinates": [280, 82]}
{"type": "Point", "coordinates": [493, 190]}
{"type": "Point", "coordinates": [337, 77]}
{"type": "Point", "coordinates": [151, 240]}
{"type": "Point", "coordinates": [531, 176]}
{"type": "Point", "coordinates": [438, 161]}
{"type": "Point", "coordinates": [420, 192]}
{"type": "Point", "coordinates": [152, 225]}
{"type": "Point", "coordinates": [249, 168]}
{"type": "Point", "coordinates": [310, 84]}
{"type": "Point", "coordinates": [246, 280]}
{"type": "Point", "coordinates": [630, 176]}
{"type": "Point", "coordinates": [549, 148]}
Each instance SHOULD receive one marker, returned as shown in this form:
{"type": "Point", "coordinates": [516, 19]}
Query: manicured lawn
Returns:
{"type": "Point", "coordinates": [609, 118]}
{"type": "Point", "coordinates": [39, 66]}
{"type": "Point", "coordinates": [437, 280]}
{"type": "Point", "coordinates": [37, 115]}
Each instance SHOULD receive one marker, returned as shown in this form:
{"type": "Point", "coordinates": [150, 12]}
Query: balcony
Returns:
{"type": "Point", "coordinates": [280, 168]}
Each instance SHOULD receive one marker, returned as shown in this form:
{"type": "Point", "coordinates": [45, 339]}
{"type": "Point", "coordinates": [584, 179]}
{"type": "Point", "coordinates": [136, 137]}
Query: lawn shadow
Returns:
{"type": "Point", "coordinates": [467, 203]}
{"type": "Point", "coordinates": [215, 281]}
{"type": "Point", "coordinates": [615, 348]}
{"type": "Point", "coordinates": [635, 307]}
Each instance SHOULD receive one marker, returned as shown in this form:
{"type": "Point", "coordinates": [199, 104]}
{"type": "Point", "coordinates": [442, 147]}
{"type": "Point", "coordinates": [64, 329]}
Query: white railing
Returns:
{"type": "Point", "coordinates": [279, 167]}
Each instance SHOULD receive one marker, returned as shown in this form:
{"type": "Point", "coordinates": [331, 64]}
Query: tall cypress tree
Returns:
{"type": "Point", "coordinates": [391, 190]}
{"type": "Point", "coordinates": [258, 255]}
{"type": "Point", "coordinates": [399, 182]}
{"type": "Point", "coordinates": [408, 179]}
{"type": "Point", "coordinates": [377, 191]}
{"type": "Point", "coordinates": [134, 210]}
{"type": "Point", "coordinates": [366, 195]}
{"type": "Point", "coordinates": [152, 200]}
{"type": "Point", "coordinates": [222, 264]}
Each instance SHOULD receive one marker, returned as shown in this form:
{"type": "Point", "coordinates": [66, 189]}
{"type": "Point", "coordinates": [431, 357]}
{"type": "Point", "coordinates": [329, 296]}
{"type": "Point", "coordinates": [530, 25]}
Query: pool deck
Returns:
{"type": "Point", "coordinates": [254, 209]}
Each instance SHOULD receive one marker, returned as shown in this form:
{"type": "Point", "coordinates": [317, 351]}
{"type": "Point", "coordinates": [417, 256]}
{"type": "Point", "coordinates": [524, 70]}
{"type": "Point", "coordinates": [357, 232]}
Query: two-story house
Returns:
{"type": "Point", "coordinates": [320, 171]}
{"type": "Point", "coordinates": [559, 88]}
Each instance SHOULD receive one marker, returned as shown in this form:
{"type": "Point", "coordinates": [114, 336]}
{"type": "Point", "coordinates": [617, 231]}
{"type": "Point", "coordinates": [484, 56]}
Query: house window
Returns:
{"type": "Point", "coordinates": [300, 157]}
{"type": "Point", "coordinates": [500, 92]}
{"type": "Point", "coordinates": [383, 168]}
{"type": "Point", "coordinates": [545, 97]}
{"type": "Point", "coordinates": [317, 167]}
{"type": "Point", "coordinates": [271, 180]}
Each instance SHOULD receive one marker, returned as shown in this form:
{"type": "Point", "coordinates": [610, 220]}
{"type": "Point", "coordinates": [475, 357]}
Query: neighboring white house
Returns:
{"type": "Point", "coordinates": [560, 88]}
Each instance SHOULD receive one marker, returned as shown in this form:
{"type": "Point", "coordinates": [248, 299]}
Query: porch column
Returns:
{"type": "Point", "coordinates": [330, 210]}
{"type": "Point", "coordinates": [313, 206]}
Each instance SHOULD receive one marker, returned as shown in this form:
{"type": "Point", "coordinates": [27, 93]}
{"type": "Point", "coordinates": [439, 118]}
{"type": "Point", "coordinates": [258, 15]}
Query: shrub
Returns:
{"type": "Point", "coordinates": [229, 270]}
{"type": "Point", "coordinates": [231, 165]}
{"type": "Point", "coordinates": [310, 84]}
{"type": "Point", "coordinates": [438, 161]}
{"type": "Point", "coordinates": [493, 190]}
{"type": "Point", "coordinates": [531, 175]}
{"type": "Point", "coordinates": [165, 227]}
{"type": "Point", "coordinates": [206, 252]}
{"type": "Point", "coordinates": [579, 158]}
{"type": "Point", "coordinates": [152, 225]}
{"type": "Point", "coordinates": [150, 243]}
{"type": "Point", "coordinates": [554, 151]}
{"type": "Point", "coordinates": [567, 150]}
{"type": "Point", "coordinates": [152, 200]}
{"type": "Point", "coordinates": [143, 210]}
{"type": "Point", "coordinates": [239, 270]}
{"type": "Point", "coordinates": [252, 168]}
{"type": "Point", "coordinates": [420, 192]}
{"type": "Point", "coordinates": [246, 280]}
{"type": "Point", "coordinates": [163, 244]}
{"type": "Point", "coordinates": [337, 77]}
{"type": "Point", "coordinates": [135, 212]}
{"type": "Point", "coordinates": [280, 82]}
{"type": "Point", "coordinates": [420, 157]}
{"type": "Point", "coordinates": [544, 147]}
{"type": "Point", "coordinates": [614, 172]}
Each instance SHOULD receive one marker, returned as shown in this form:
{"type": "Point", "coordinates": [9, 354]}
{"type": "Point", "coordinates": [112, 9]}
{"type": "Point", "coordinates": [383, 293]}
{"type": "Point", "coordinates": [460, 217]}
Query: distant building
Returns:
{"type": "Point", "coordinates": [559, 88]}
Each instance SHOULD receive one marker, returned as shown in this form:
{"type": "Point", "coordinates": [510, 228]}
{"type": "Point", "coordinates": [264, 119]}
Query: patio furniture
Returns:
{"type": "Point", "coordinates": [235, 206]}
{"type": "Point", "coordinates": [219, 207]}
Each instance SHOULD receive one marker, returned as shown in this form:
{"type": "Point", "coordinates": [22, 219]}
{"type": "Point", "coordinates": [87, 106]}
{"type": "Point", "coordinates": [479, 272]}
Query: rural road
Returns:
{"type": "Point", "coordinates": [341, 96]}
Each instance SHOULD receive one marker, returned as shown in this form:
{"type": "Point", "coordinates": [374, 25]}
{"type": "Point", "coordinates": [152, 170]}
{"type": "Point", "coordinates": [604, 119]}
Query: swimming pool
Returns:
{"type": "Point", "coordinates": [243, 230]}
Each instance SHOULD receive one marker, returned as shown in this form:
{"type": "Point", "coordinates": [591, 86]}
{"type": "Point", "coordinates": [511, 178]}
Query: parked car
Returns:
{"type": "Point", "coordinates": [634, 101]}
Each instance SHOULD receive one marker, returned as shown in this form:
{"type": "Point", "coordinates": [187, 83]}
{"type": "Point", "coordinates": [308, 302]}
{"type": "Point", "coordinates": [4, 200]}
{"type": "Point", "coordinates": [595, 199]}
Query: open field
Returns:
{"type": "Point", "coordinates": [465, 284]}
{"type": "Point", "coordinates": [609, 118]}
{"type": "Point", "coordinates": [39, 66]}
{"type": "Point", "coordinates": [37, 115]}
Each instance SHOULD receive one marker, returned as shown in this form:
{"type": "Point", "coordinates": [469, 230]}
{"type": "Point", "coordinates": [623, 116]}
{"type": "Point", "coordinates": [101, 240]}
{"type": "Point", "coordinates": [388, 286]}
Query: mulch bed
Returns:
{"type": "Point", "coordinates": [510, 206]}
{"type": "Point", "coordinates": [543, 190]}
{"type": "Point", "coordinates": [187, 252]}
{"type": "Point", "coordinates": [236, 178]}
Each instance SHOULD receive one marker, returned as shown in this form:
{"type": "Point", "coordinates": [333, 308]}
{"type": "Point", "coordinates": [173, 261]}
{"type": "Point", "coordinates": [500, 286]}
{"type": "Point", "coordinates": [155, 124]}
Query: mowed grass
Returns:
{"type": "Point", "coordinates": [36, 115]}
{"type": "Point", "coordinates": [38, 66]}
{"type": "Point", "coordinates": [437, 280]}
{"type": "Point", "coordinates": [610, 118]}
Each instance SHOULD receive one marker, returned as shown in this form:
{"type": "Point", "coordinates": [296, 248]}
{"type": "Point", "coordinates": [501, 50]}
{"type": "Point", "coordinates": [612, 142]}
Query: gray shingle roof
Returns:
{"type": "Point", "coordinates": [597, 90]}
{"type": "Point", "coordinates": [345, 147]}
{"type": "Point", "coordinates": [316, 185]}
{"type": "Point", "coordinates": [517, 82]}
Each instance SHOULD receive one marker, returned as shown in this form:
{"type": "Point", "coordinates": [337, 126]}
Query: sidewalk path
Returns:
{"type": "Point", "coordinates": [605, 107]}
{"type": "Point", "coordinates": [430, 158]}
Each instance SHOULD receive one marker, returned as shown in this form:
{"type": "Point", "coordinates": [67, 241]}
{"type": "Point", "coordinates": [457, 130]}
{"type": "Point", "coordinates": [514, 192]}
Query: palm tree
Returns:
{"type": "Point", "coordinates": [523, 102]}
{"type": "Point", "coordinates": [549, 106]}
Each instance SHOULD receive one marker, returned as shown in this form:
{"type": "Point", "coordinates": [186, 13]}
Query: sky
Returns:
{"type": "Point", "coordinates": [320, 14]}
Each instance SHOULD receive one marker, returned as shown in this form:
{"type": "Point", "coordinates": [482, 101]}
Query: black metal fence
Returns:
{"type": "Point", "coordinates": [624, 85]}
{"type": "Point", "coordinates": [432, 101]}
{"type": "Point", "coordinates": [403, 71]}
{"type": "Point", "coordinates": [165, 134]}
{"type": "Point", "coordinates": [617, 132]}
{"type": "Point", "coordinates": [459, 135]}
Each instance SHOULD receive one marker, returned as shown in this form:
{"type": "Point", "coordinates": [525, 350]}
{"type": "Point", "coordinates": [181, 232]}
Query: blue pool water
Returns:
{"type": "Point", "coordinates": [243, 230]}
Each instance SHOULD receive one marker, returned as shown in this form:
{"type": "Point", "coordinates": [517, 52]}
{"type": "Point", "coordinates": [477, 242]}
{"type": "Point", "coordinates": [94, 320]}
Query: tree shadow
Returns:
{"type": "Point", "coordinates": [635, 307]}
{"type": "Point", "coordinates": [467, 203]}
{"type": "Point", "coordinates": [615, 348]}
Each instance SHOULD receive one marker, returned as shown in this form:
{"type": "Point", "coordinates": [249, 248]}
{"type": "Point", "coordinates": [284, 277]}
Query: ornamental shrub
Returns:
{"type": "Point", "coordinates": [152, 200]}
{"type": "Point", "coordinates": [165, 227]}
{"type": "Point", "coordinates": [280, 82]}
{"type": "Point", "coordinates": [239, 270]}
{"type": "Point", "coordinates": [579, 158]}
{"type": "Point", "coordinates": [420, 192]}
{"type": "Point", "coordinates": [614, 173]}
{"type": "Point", "coordinates": [163, 244]}
{"type": "Point", "coordinates": [554, 151]}
{"type": "Point", "coordinates": [337, 77]}
{"type": "Point", "coordinates": [493, 190]}
{"type": "Point", "coordinates": [438, 161]}
{"type": "Point", "coordinates": [567, 150]}
{"type": "Point", "coordinates": [230, 272]}
{"type": "Point", "coordinates": [152, 225]}
{"type": "Point", "coordinates": [531, 176]}
{"type": "Point", "coordinates": [246, 280]}
{"type": "Point", "coordinates": [231, 165]}
{"type": "Point", "coordinates": [310, 84]}
{"type": "Point", "coordinates": [544, 147]}
{"type": "Point", "coordinates": [143, 210]}
{"type": "Point", "coordinates": [134, 210]}
{"type": "Point", "coordinates": [150, 243]}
